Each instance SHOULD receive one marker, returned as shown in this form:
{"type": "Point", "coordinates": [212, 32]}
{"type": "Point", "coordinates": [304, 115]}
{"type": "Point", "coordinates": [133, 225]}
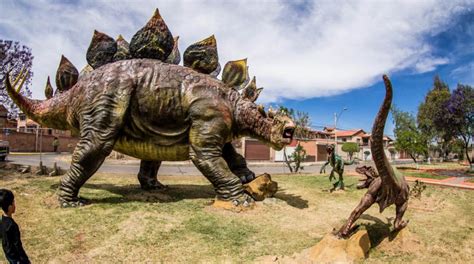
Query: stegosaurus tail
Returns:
{"type": "Point", "coordinates": [49, 113]}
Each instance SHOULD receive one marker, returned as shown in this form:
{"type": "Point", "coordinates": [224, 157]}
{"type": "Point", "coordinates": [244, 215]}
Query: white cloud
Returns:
{"type": "Point", "coordinates": [325, 48]}
{"type": "Point", "coordinates": [464, 74]}
{"type": "Point", "coordinates": [427, 64]}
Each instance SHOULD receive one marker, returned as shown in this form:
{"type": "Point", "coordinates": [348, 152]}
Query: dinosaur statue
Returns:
{"type": "Point", "coordinates": [337, 164]}
{"type": "Point", "coordinates": [156, 111]}
{"type": "Point", "coordinates": [386, 187]}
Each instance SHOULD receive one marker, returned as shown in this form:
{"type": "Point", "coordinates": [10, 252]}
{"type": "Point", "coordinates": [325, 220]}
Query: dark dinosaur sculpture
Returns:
{"type": "Point", "coordinates": [337, 164]}
{"type": "Point", "coordinates": [386, 187]}
{"type": "Point", "coordinates": [156, 111]}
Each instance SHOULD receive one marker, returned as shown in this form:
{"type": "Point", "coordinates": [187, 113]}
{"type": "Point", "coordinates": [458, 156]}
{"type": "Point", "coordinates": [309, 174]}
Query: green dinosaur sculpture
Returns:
{"type": "Point", "coordinates": [337, 164]}
{"type": "Point", "coordinates": [156, 112]}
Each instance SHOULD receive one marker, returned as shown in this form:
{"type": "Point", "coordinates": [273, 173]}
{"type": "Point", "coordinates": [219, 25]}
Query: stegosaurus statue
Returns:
{"type": "Point", "coordinates": [135, 99]}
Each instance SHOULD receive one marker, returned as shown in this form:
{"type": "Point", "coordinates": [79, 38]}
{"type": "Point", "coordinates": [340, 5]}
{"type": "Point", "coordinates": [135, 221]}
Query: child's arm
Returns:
{"type": "Point", "coordinates": [15, 240]}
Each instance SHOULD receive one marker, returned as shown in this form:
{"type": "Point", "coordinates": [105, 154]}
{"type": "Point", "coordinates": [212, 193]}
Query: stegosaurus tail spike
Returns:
{"type": "Point", "coordinates": [123, 49]}
{"type": "Point", "coordinates": [175, 55]}
{"type": "Point", "coordinates": [101, 50]}
{"type": "Point", "coordinates": [66, 75]}
{"type": "Point", "coordinates": [202, 56]}
{"type": "Point", "coordinates": [48, 90]}
{"type": "Point", "coordinates": [235, 72]}
{"type": "Point", "coordinates": [153, 41]}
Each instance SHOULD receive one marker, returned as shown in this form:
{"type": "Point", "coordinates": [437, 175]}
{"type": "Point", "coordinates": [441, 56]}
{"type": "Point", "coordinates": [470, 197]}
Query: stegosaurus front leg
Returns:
{"type": "Point", "coordinates": [207, 138]}
{"type": "Point", "coordinates": [237, 164]}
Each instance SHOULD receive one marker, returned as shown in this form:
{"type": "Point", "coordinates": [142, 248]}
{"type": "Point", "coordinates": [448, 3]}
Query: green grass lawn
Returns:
{"type": "Point", "coordinates": [125, 224]}
{"type": "Point", "coordinates": [424, 175]}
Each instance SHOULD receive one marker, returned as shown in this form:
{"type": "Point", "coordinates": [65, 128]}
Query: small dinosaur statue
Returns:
{"type": "Point", "coordinates": [337, 164]}
{"type": "Point", "coordinates": [147, 107]}
{"type": "Point", "coordinates": [386, 187]}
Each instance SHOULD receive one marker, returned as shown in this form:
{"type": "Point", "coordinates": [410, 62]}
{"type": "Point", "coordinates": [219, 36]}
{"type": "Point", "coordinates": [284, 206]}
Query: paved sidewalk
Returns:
{"type": "Point", "coordinates": [457, 182]}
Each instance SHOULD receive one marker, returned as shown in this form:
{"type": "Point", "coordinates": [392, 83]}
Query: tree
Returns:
{"type": "Point", "coordinates": [293, 161]}
{"type": "Point", "coordinates": [14, 57]}
{"type": "Point", "coordinates": [302, 132]}
{"type": "Point", "coordinates": [351, 148]}
{"type": "Point", "coordinates": [409, 138]}
{"type": "Point", "coordinates": [433, 115]}
{"type": "Point", "coordinates": [461, 119]}
{"type": "Point", "coordinates": [302, 122]}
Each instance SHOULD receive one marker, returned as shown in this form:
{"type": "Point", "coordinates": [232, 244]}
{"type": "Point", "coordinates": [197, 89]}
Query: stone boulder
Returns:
{"type": "Point", "coordinates": [261, 187]}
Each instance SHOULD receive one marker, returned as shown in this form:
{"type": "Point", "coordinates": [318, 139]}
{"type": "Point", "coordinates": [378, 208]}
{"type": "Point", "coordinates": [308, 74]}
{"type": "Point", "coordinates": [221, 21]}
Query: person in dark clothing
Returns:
{"type": "Point", "coordinates": [56, 144]}
{"type": "Point", "coordinates": [9, 231]}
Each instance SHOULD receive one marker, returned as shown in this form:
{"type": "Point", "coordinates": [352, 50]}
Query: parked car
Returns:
{"type": "Point", "coordinates": [4, 149]}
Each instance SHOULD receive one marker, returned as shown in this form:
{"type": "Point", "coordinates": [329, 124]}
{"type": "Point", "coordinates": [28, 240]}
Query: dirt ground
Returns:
{"type": "Point", "coordinates": [126, 224]}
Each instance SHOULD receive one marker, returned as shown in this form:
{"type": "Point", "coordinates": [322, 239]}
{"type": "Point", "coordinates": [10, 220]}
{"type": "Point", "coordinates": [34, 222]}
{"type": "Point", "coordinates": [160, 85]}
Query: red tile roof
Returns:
{"type": "Point", "coordinates": [348, 133]}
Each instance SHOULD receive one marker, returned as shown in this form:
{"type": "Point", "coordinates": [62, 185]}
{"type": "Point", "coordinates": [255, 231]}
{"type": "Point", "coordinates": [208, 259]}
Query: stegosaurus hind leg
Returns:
{"type": "Point", "coordinates": [148, 175]}
{"type": "Point", "coordinates": [100, 124]}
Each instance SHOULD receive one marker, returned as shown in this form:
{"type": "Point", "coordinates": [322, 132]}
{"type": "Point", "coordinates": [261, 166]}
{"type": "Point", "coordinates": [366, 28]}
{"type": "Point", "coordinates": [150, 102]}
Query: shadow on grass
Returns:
{"type": "Point", "coordinates": [378, 230]}
{"type": "Point", "coordinates": [173, 193]}
{"type": "Point", "coordinates": [133, 193]}
{"type": "Point", "coordinates": [291, 199]}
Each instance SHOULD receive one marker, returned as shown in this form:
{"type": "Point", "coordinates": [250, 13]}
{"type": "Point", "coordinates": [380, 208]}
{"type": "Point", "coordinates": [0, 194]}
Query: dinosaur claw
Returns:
{"type": "Point", "coordinates": [74, 203]}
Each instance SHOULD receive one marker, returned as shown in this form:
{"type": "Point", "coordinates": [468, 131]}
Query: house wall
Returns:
{"type": "Point", "coordinates": [255, 150]}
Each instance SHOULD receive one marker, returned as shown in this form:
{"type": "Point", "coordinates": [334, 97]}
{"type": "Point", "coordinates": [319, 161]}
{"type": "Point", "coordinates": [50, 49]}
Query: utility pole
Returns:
{"type": "Point", "coordinates": [336, 117]}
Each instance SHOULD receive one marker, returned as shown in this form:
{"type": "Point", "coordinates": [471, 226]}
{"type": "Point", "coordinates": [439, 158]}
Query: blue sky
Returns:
{"type": "Point", "coordinates": [314, 56]}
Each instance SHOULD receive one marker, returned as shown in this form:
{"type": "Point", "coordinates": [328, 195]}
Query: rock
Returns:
{"type": "Point", "coordinates": [331, 249]}
{"type": "Point", "coordinates": [153, 41]}
{"type": "Point", "coordinates": [202, 56]}
{"type": "Point", "coordinates": [48, 90]}
{"type": "Point", "coordinates": [101, 50]}
{"type": "Point", "coordinates": [66, 75]}
{"type": "Point", "coordinates": [228, 205]}
{"type": "Point", "coordinates": [123, 52]}
{"type": "Point", "coordinates": [261, 187]}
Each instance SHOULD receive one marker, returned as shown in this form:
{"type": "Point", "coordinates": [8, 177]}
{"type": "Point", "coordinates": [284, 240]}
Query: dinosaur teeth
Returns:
{"type": "Point", "coordinates": [48, 90]}
{"type": "Point", "coordinates": [153, 41]}
{"type": "Point", "coordinates": [101, 50]}
{"type": "Point", "coordinates": [123, 52]}
{"type": "Point", "coordinates": [202, 56]}
{"type": "Point", "coordinates": [66, 75]}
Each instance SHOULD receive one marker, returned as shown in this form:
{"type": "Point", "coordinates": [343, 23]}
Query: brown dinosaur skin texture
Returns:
{"type": "Point", "coordinates": [156, 112]}
{"type": "Point", "coordinates": [388, 186]}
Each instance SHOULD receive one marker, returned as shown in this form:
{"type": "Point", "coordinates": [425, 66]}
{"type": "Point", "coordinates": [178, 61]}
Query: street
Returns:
{"type": "Point", "coordinates": [167, 168]}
